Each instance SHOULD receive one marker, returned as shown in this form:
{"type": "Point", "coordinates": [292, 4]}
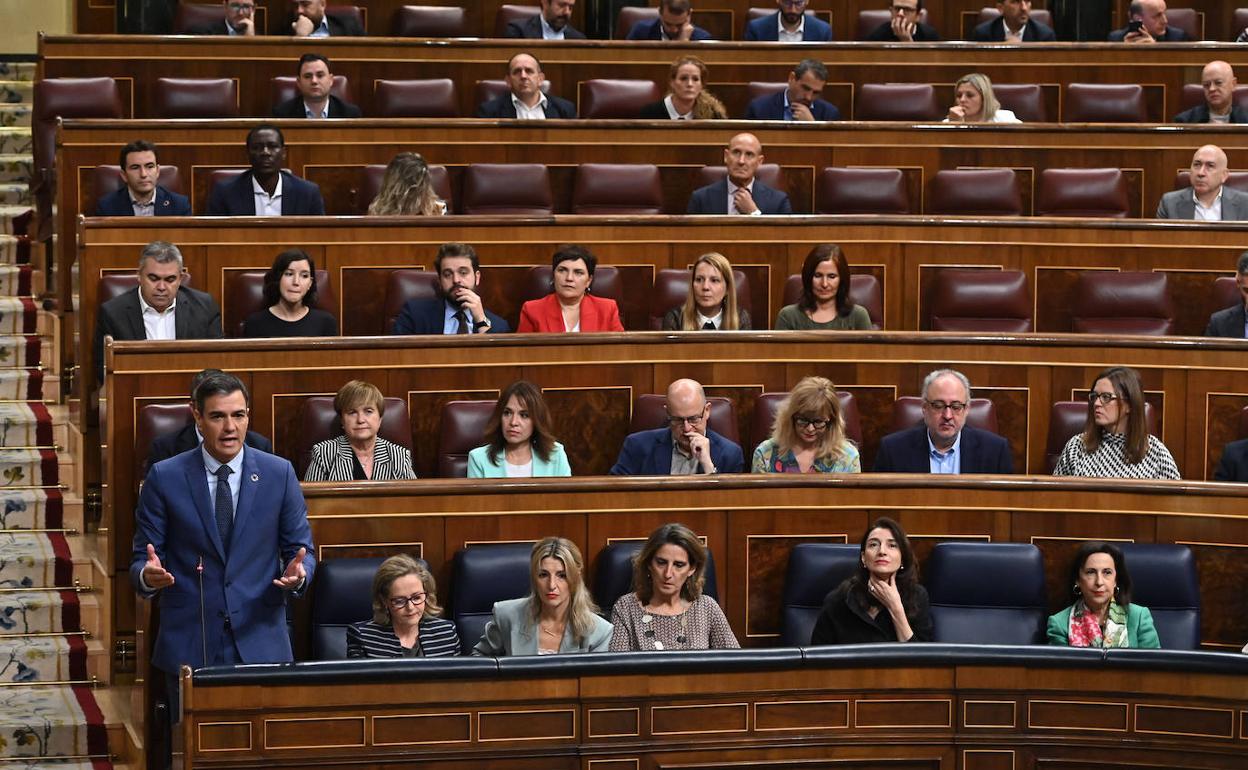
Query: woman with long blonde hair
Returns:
{"type": "Point", "coordinates": [808, 435]}
{"type": "Point", "coordinates": [712, 299]}
{"type": "Point", "coordinates": [687, 97]}
{"type": "Point", "coordinates": [407, 189]}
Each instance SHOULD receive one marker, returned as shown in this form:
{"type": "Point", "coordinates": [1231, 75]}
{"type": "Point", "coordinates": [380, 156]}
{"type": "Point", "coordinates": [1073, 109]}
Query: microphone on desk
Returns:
{"type": "Point", "coordinates": [203, 626]}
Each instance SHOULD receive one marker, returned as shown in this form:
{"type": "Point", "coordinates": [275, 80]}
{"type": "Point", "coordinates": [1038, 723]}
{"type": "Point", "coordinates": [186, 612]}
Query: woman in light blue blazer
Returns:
{"type": "Point", "coordinates": [519, 440]}
{"type": "Point", "coordinates": [557, 616]}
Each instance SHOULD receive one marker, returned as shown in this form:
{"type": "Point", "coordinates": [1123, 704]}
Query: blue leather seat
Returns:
{"type": "Point", "coordinates": [481, 575]}
{"type": "Point", "coordinates": [987, 593]}
{"type": "Point", "coordinates": [614, 576]}
{"type": "Point", "coordinates": [342, 594]}
{"type": "Point", "coordinates": [815, 569]}
{"type": "Point", "coordinates": [1163, 579]}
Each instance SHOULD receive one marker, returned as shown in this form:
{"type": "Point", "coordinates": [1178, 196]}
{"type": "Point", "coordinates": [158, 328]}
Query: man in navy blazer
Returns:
{"type": "Point", "coordinates": [673, 24]}
{"type": "Point", "coordinates": [525, 98]}
{"type": "Point", "coordinates": [790, 24]}
{"type": "Point", "coordinates": [1014, 25]}
{"type": "Point", "coordinates": [686, 447]}
{"type": "Point", "coordinates": [1232, 322]}
{"type": "Point", "coordinates": [550, 24]}
{"type": "Point", "coordinates": [141, 195]}
{"type": "Point", "coordinates": [265, 189]}
{"type": "Point", "coordinates": [169, 444]}
{"type": "Point", "coordinates": [221, 555]}
{"type": "Point", "coordinates": [943, 443]}
{"type": "Point", "coordinates": [800, 101]}
{"type": "Point", "coordinates": [749, 196]}
{"type": "Point", "coordinates": [1234, 463]}
{"type": "Point", "coordinates": [458, 308]}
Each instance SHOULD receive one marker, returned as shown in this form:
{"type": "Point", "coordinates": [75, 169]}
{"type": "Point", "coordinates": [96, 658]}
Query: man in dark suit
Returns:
{"type": "Point", "coordinates": [687, 447]}
{"type": "Point", "coordinates": [161, 308]}
{"type": "Point", "coordinates": [1014, 25]}
{"type": "Point", "coordinates": [1218, 82]}
{"type": "Point", "coordinates": [458, 308]}
{"type": "Point", "coordinates": [141, 196]}
{"type": "Point", "coordinates": [1234, 463]}
{"type": "Point", "coordinates": [1233, 321]}
{"type": "Point", "coordinates": [314, 99]}
{"type": "Point", "coordinates": [525, 99]}
{"type": "Point", "coordinates": [943, 443]}
{"type": "Point", "coordinates": [221, 536]}
{"type": "Point", "coordinates": [1147, 24]}
{"type": "Point", "coordinates": [800, 101]}
{"type": "Point", "coordinates": [903, 26]}
{"type": "Point", "coordinates": [790, 24]}
{"type": "Point", "coordinates": [188, 437]}
{"type": "Point", "coordinates": [239, 20]}
{"type": "Point", "coordinates": [265, 189]}
{"type": "Point", "coordinates": [673, 24]}
{"type": "Point", "coordinates": [312, 21]}
{"type": "Point", "coordinates": [740, 192]}
{"type": "Point", "coordinates": [550, 24]}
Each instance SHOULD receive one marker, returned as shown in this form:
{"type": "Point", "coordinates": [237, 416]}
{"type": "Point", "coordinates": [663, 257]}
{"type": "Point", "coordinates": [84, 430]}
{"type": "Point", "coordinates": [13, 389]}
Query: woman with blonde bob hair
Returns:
{"type": "Point", "coordinates": [712, 299]}
{"type": "Point", "coordinates": [407, 189]}
{"type": "Point", "coordinates": [687, 97]}
{"type": "Point", "coordinates": [405, 620]}
{"type": "Point", "coordinates": [808, 435]}
{"type": "Point", "coordinates": [974, 102]}
{"type": "Point", "coordinates": [557, 616]}
{"type": "Point", "coordinates": [667, 609]}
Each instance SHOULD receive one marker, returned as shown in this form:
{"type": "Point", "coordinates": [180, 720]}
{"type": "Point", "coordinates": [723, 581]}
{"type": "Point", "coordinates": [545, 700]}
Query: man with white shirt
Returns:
{"type": "Point", "coordinates": [740, 192]}
{"type": "Point", "coordinates": [160, 308]}
{"type": "Point", "coordinates": [550, 24]}
{"type": "Point", "coordinates": [314, 100]}
{"type": "Point", "coordinates": [1217, 82]}
{"type": "Point", "coordinates": [266, 189]}
{"type": "Point", "coordinates": [790, 24]}
{"type": "Point", "coordinates": [1208, 199]}
{"type": "Point", "coordinates": [525, 99]}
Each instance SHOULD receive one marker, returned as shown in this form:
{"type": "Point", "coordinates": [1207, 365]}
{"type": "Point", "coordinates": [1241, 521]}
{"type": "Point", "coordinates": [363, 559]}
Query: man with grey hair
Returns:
{"type": "Point", "coordinates": [686, 447]}
{"type": "Point", "coordinates": [1147, 23]}
{"type": "Point", "coordinates": [160, 308]}
{"type": "Point", "coordinates": [942, 443]}
{"type": "Point", "coordinates": [800, 100]}
{"type": "Point", "coordinates": [1233, 321]}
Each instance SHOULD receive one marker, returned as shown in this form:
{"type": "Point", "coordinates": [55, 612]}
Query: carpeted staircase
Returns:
{"type": "Point", "coordinates": [55, 710]}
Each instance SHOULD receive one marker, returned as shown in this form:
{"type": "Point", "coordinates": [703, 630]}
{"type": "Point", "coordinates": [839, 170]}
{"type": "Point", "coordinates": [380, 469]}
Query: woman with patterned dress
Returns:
{"type": "Point", "coordinates": [808, 435]}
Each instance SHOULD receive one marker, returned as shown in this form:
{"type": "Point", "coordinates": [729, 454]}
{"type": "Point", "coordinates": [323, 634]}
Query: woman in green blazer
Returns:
{"type": "Point", "coordinates": [519, 440]}
{"type": "Point", "coordinates": [1102, 615]}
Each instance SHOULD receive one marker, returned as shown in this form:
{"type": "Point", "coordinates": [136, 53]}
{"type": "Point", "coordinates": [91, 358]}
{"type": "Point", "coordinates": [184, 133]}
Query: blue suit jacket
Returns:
{"type": "Point", "coordinates": [906, 451]}
{"type": "Point", "coordinates": [1234, 463]}
{"type": "Point", "coordinates": [649, 453]}
{"type": "Point", "coordinates": [236, 199]}
{"type": "Point", "coordinates": [168, 204]}
{"type": "Point", "coordinates": [428, 316]}
{"type": "Point", "coordinates": [713, 199]}
{"type": "Point", "coordinates": [652, 29]}
{"type": "Point", "coordinates": [768, 28]}
{"type": "Point", "coordinates": [175, 515]}
{"type": "Point", "coordinates": [771, 107]}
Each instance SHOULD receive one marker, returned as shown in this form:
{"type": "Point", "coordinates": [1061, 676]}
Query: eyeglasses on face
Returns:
{"type": "Point", "coordinates": [693, 421]}
{"type": "Point", "coordinates": [399, 602]}
{"type": "Point", "coordinates": [240, 7]}
{"type": "Point", "coordinates": [957, 407]}
{"type": "Point", "coordinates": [905, 9]}
{"type": "Point", "coordinates": [1104, 398]}
{"type": "Point", "coordinates": [807, 422]}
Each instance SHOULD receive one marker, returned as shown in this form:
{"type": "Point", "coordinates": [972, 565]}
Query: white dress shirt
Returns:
{"type": "Point", "coordinates": [525, 112]}
{"type": "Point", "coordinates": [732, 204]}
{"type": "Point", "coordinates": [266, 205]}
{"type": "Point", "coordinates": [548, 32]}
{"type": "Point", "coordinates": [158, 325]}
{"type": "Point", "coordinates": [1211, 213]}
{"type": "Point", "coordinates": [671, 110]}
{"type": "Point", "coordinates": [792, 37]}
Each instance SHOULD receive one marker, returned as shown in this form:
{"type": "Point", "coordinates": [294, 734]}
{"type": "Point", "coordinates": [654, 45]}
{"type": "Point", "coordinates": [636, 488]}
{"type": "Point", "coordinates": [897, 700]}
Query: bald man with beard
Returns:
{"type": "Point", "coordinates": [1208, 199]}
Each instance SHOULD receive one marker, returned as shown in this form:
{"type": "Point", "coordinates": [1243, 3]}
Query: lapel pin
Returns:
{"type": "Point", "coordinates": [165, 202]}
{"type": "Point", "coordinates": [255, 477]}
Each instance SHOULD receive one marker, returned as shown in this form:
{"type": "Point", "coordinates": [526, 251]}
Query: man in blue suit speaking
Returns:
{"type": "Point", "coordinates": [221, 537]}
{"type": "Point", "coordinates": [740, 192]}
{"type": "Point", "coordinates": [687, 447]}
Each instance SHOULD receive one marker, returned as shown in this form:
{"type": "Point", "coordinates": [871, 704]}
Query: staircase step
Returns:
{"type": "Point", "coordinates": [28, 468]}
{"type": "Point", "coordinates": [17, 91]}
{"type": "Point", "coordinates": [24, 385]}
{"type": "Point", "coordinates": [42, 660]}
{"type": "Point", "coordinates": [16, 140]}
{"type": "Point", "coordinates": [27, 424]}
{"type": "Point", "coordinates": [24, 351]}
{"type": "Point", "coordinates": [47, 612]}
{"type": "Point", "coordinates": [39, 509]}
{"type": "Point", "coordinates": [15, 194]}
{"type": "Point", "coordinates": [15, 115]}
{"type": "Point", "coordinates": [14, 167]}
{"type": "Point", "coordinates": [17, 70]}
{"type": "Point", "coordinates": [38, 560]}
{"type": "Point", "coordinates": [47, 722]}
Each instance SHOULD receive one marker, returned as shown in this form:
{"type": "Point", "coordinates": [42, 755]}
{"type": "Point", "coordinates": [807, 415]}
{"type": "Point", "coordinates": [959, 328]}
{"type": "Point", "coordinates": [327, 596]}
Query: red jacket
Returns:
{"type": "Point", "coordinates": [544, 315]}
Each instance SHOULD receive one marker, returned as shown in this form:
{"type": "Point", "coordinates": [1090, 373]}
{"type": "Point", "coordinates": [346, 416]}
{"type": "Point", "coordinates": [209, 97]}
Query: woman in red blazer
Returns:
{"type": "Point", "coordinates": [569, 308]}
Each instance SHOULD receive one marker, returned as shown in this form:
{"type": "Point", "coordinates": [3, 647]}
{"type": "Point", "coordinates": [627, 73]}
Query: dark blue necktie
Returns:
{"type": "Point", "coordinates": [224, 505]}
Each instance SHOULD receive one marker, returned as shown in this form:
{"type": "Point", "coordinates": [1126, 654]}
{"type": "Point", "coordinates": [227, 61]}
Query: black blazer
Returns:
{"type": "Point", "coordinates": [168, 204]}
{"type": "Point", "coordinates": [1200, 114]}
{"type": "Point", "coordinates": [531, 29]}
{"type": "Point", "coordinates": [994, 32]}
{"type": "Point", "coordinates": [438, 639]}
{"type": "Point", "coordinates": [236, 199]}
{"type": "Point", "coordinates": [217, 28]}
{"type": "Point", "coordinates": [1234, 463]}
{"type": "Point", "coordinates": [844, 622]}
{"type": "Point", "coordinates": [501, 107]}
{"type": "Point", "coordinates": [428, 316]}
{"type": "Point", "coordinates": [1173, 35]}
{"type": "Point", "coordinates": [906, 452]}
{"type": "Point", "coordinates": [713, 199]}
{"type": "Point", "coordinates": [293, 108]}
{"type": "Point", "coordinates": [343, 26]}
{"type": "Point", "coordinates": [197, 317]}
{"type": "Point", "coordinates": [1228, 322]}
{"type": "Point", "coordinates": [170, 444]}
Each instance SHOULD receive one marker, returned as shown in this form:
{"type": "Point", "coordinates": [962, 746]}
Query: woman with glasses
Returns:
{"type": "Point", "coordinates": [1102, 614]}
{"type": "Point", "coordinates": [666, 609]}
{"type": "Point", "coordinates": [519, 442]}
{"type": "Point", "coordinates": [405, 620]}
{"type": "Point", "coordinates": [557, 616]}
{"type": "Point", "coordinates": [711, 303]}
{"type": "Point", "coordinates": [825, 302]}
{"type": "Point", "coordinates": [1115, 442]}
{"type": "Point", "coordinates": [808, 435]}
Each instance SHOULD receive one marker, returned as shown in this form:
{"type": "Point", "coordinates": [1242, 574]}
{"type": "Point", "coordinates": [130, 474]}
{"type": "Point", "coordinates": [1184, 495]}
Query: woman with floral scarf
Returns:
{"type": "Point", "coordinates": [1102, 615]}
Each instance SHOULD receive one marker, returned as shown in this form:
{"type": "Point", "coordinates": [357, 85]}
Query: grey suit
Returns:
{"type": "Point", "coordinates": [1178, 204]}
{"type": "Point", "coordinates": [512, 632]}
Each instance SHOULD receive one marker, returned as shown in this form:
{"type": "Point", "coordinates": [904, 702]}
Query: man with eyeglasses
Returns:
{"type": "Point", "coordinates": [686, 447]}
{"type": "Point", "coordinates": [790, 24]}
{"type": "Point", "coordinates": [903, 25]}
{"type": "Point", "coordinates": [942, 443]}
{"type": "Point", "coordinates": [239, 21]}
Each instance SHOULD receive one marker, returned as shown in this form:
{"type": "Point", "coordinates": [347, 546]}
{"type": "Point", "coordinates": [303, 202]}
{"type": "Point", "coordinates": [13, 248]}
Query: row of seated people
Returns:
{"type": "Point", "coordinates": [661, 595]}
{"type": "Point", "coordinates": [409, 186]}
{"type": "Point", "coordinates": [788, 21]}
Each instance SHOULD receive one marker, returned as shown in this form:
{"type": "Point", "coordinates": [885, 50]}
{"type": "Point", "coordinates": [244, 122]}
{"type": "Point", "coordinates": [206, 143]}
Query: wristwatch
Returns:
{"type": "Point", "coordinates": [484, 323]}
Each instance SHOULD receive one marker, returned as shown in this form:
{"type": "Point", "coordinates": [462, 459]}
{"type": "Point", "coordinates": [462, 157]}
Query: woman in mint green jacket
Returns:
{"type": "Point", "coordinates": [1102, 615]}
{"type": "Point", "coordinates": [519, 440]}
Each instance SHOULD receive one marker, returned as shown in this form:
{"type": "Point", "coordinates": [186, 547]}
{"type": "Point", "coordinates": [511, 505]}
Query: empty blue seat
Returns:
{"type": "Point", "coordinates": [342, 594]}
{"type": "Point", "coordinates": [815, 569]}
{"type": "Point", "coordinates": [987, 593]}
{"type": "Point", "coordinates": [1163, 579]}
{"type": "Point", "coordinates": [614, 576]}
{"type": "Point", "coordinates": [481, 575]}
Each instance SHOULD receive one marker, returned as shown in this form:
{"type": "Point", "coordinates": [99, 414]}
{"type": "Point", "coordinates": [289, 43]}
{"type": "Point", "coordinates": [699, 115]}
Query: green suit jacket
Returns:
{"type": "Point", "coordinates": [1140, 630]}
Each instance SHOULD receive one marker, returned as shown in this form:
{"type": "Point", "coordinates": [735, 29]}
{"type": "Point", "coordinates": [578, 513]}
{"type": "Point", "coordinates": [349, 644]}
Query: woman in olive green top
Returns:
{"type": "Point", "coordinates": [825, 302]}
